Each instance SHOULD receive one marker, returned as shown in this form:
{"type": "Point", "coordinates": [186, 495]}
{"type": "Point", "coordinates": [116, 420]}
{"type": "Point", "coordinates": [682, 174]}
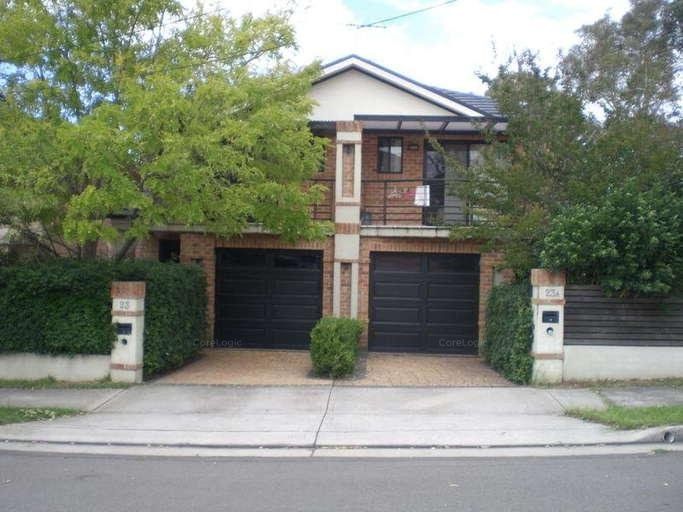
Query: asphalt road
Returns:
{"type": "Point", "coordinates": [42, 482]}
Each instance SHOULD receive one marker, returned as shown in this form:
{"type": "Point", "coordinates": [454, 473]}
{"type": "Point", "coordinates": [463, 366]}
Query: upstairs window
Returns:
{"type": "Point", "coordinates": [389, 154]}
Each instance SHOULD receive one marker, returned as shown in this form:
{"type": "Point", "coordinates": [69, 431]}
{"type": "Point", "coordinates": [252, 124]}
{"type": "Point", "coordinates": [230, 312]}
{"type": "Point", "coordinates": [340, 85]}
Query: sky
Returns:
{"type": "Point", "coordinates": [444, 47]}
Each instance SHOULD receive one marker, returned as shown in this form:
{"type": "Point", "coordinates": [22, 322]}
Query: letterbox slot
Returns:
{"type": "Point", "coordinates": [123, 328]}
{"type": "Point", "coordinates": [551, 317]}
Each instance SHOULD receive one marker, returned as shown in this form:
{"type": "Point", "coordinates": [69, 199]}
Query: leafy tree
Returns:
{"type": "Point", "coordinates": [558, 160]}
{"type": "Point", "coordinates": [524, 177]}
{"type": "Point", "coordinates": [628, 67]}
{"type": "Point", "coordinates": [147, 110]}
{"type": "Point", "coordinates": [629, 243]}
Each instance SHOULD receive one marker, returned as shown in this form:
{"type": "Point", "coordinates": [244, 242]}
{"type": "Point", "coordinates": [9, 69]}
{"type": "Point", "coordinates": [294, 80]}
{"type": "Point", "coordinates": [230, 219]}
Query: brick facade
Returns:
{"type": "Point", "coordinates": [200, 248]}
{"type": "Point", "coordinates": [345, 301]}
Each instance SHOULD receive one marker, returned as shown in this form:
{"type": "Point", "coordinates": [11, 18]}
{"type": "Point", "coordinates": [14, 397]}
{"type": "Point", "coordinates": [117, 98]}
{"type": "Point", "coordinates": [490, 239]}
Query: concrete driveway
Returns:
{"type": "Point", "coordinates": [293, 368]}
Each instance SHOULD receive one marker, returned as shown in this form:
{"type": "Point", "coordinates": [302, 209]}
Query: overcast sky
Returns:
{"type": "Point", "coordinates": [443, 47]}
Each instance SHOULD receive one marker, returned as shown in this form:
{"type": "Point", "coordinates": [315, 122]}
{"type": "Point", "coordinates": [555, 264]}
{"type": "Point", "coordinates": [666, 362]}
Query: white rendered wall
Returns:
{"type": "Point", "coordinates": [341, 97]}
{"type": "Point", "coordinates": [26, 366]}
{"type": "Point", "coordinates": [591, 362]}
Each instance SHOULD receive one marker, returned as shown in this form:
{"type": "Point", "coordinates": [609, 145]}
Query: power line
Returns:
{"type": "Point", "coordinates": [377, 24]}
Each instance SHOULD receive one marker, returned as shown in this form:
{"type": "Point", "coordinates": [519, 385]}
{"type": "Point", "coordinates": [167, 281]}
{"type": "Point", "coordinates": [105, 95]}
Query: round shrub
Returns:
{"type": "Point", "coordinates": [334, 346]}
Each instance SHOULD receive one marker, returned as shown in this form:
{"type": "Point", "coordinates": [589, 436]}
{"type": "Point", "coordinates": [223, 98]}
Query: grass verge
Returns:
{"type": "Point", "coordinates": [632, 417]}
{"type": "Point", "coordinates": [23, 414]}
{"type": "Point", "coordinates": [51, 383]}
{"type": "Point", "coordinates": [599, 384]}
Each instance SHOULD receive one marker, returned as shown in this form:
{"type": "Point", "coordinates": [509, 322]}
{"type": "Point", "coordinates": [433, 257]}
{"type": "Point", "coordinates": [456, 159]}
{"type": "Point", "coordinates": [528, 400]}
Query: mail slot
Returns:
{"type": "Point", "coordinates": [551, 317]}
{"type": "Point", "coordinates": [123, 328]}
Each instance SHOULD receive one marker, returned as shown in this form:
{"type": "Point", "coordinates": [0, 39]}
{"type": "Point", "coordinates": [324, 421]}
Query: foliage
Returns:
{"type": "Point", "coordinates": [557, 155]}
{"type": "Point", "coordinates": [509, 332]}
{"type": "Point", "coordinates": [632, 417]}
{"type": "Point", "coordinates": [175, 311]}
{"type": "Point", "coordinates": [64, 307]}
{"type": "Point", "coordinates": [628, 68]}
{"type": "Point", "coordinates": [334, 346]}
{"type": "Point", "coordinates": [23, 414]}
{"type": "Point", "coordinates": [628, 243]}
{"type": "Point", "coordinates": [523, 178]}
{"type": "Point", "coordinates": [154, 112]}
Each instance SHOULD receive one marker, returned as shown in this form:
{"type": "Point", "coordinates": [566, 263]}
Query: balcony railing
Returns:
{"type": "Point", "coordinates": [411, 202]}
{"type": "Point", "coordinates": [400, 202]}
{"type": "Point", "coordinates": [325, 209]}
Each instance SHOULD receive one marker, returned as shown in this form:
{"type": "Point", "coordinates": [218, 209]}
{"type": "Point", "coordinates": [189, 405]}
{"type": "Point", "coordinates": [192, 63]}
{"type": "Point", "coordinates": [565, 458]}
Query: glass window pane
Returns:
{"type": "Point", "coordinates": [390, 151]}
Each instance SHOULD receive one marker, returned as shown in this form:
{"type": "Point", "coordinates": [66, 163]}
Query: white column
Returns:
{"type": "Point", "coordinates": [347, 216]}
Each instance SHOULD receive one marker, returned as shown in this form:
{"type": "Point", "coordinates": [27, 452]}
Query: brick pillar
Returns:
{"type": "Point", "coordinates": [200, 249]}
{"type": "Point", "coordinates": [347, 216]}
{"type": "Point", "coordinates": [128, 315]}
{"type": "Point", "coordinates": [547, 302]}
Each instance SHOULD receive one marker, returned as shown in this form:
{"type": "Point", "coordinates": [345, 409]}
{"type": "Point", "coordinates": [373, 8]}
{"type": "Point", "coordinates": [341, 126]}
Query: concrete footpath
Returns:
{"type": "Point", "coordinates": [323, 417]}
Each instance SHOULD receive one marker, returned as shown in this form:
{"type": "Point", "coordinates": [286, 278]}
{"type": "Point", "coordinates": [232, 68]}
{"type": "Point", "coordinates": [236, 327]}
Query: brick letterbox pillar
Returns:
{"type": "Point", "coordinates": [128, 317]}
{"type": "Point", "coordinates": [547, 302]}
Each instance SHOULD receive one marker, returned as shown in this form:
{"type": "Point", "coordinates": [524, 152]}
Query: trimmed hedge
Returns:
{"type": "Point", "coordinates": [64, 307]}
{"type": "Point", "coordinates": [334, 346]}
{"type": "Point", "coordinates": [509, 332]}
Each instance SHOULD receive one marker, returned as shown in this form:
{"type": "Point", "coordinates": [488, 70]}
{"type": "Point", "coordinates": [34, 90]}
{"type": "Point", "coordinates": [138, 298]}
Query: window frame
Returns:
{"type": "Point", "coordinates": [389, 138]}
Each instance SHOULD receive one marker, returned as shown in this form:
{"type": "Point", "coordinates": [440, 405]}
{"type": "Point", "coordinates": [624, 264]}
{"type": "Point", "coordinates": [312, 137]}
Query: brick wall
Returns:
{"type": "Point", "coordinates": [488, 263]}
{"type": "Point", "coordinates": [348, 157]}
{"type": "Point", "coordinates": [147, 249]}
{"type": "Point", "coordinates": [345, 290]}
{"type": "Point", "coordinates": [200, 248]}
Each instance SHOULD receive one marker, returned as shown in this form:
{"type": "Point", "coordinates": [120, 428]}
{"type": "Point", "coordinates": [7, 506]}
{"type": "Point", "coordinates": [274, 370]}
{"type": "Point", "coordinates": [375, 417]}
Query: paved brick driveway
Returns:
{"type": "Point", "coordinates": [293, 368]}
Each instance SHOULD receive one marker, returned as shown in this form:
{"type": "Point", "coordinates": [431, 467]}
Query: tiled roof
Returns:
{"type": "Point", "coordinates": [484, 104]}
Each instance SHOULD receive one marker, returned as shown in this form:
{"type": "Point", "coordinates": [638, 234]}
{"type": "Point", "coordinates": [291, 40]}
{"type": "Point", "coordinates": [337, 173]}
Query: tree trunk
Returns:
{"type": "Point", "coordinates": [123, 250]}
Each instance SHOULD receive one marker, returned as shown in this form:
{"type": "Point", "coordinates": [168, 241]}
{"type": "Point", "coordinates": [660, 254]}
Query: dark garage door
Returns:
{"type": "Point", "coordinates": [267, 298]}
{"type": "Point", "coordinates": [424, 303]}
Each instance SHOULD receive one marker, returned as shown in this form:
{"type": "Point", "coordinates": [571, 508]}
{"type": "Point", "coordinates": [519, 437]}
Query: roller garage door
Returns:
{"type": "Point", "coordinates": [267, 298]}
{"type": "Point", "coordinates": [424, 303]}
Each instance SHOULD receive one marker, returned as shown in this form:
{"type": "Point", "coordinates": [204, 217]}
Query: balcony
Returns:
{"type": "Point", "coordinates": [411, 202]}
{"type": "Point", "coordinates": [325, 209]}
{"type": "Point", "coordinates": [401, 202]}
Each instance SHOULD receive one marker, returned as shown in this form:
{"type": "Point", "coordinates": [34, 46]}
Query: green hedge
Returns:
{"type": "Point", "coordinates": [64, 307]}
{"type": "Point", "coordinates": [509, 332]}
{"type": "Point", "coordinates": [334, 346]}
